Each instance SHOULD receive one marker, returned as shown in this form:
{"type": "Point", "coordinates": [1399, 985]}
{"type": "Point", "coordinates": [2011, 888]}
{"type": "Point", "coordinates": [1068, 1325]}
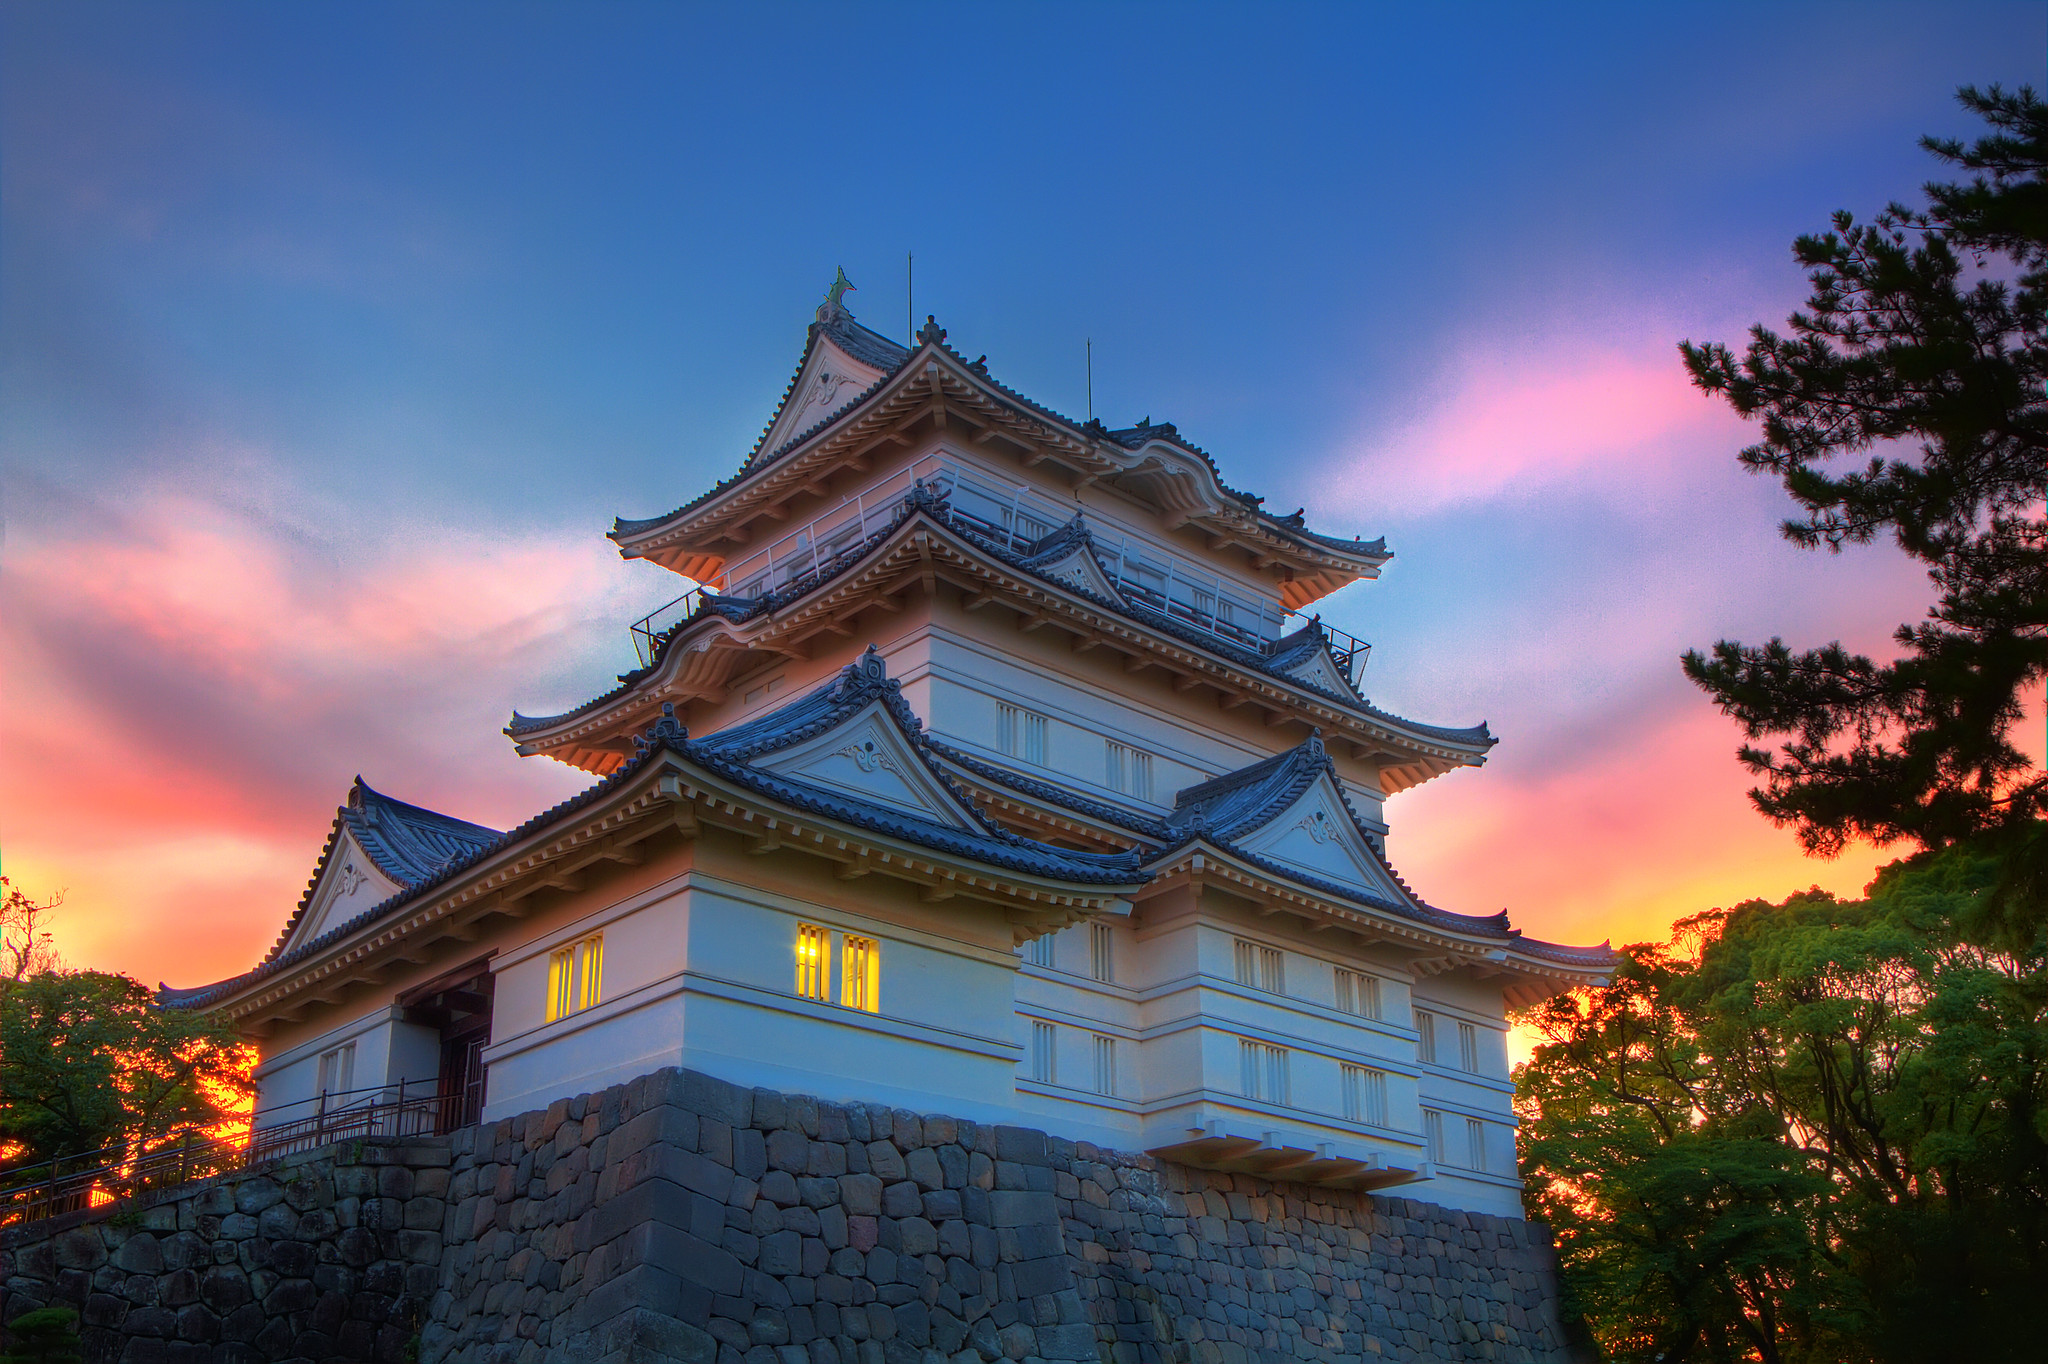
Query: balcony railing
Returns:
{"type": "Point", "coordinates": [1015, 516]}
{"type": "Point", "coordinates": [98, 1178]}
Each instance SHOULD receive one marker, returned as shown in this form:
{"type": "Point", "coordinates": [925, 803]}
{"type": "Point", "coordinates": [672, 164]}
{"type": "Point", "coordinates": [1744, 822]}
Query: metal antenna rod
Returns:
{"type": "Point", "coordinates": [910, 296]}
{"type": "Point", "coordinates": [1091, 378]}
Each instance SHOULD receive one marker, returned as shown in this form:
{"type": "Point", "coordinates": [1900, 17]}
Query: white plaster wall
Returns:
{"type": "Point", "coordinates": [287, 1082]}
{"type": "Point", "coordinates": [704, 976]}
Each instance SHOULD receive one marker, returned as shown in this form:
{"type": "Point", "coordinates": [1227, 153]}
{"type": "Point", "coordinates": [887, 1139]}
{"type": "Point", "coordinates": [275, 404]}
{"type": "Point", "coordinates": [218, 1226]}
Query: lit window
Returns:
{"type": "Point", "coordinates": [1101, 952]}
{"type": "Point", "coordinates": [1425, 1036]}
{"type": "Point", "coordinates": [1021, 733]}
{"type": "Point", "coordinates": [1039, 951]}
{"type": "Point", "coordinates": [1433, 1133]}
{"type": "Point", "coordinates": [813, 962]}
{"type": "Point", "coordinates": [1129, 770]}
{"type": "Point", "coordinates": [1262, 968]}
{"type": "Point", "coordinates": [1105, 1064]}
{"type": "Point", "coordinates": [338, 1069]}
{"type": "Point", "coordinates": [1358, 993]}
{"type": "Point", "coordinates": [862, 986]}
{"type": "Point", "coordinates": [1263, 1071]}
{"type": "Point", "coordinates": [1044, 1053]}
{"type": "Point", "coordinates": [1468, 1048]}
{"type": "Point", "coordinates": [575, 976]}
{"type": "Point", "coordinates": [1475, 1145]}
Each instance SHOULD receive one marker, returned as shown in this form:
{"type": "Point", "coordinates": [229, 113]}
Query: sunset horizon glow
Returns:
{"type": "Point", "coordinates": [330, 347]}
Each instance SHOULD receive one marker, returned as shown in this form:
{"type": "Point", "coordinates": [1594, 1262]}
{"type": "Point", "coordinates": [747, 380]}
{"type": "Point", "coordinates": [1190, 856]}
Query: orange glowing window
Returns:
{"type": "Point", "coordinates": [575, 977]}
{"type": "Point", "coordinates": [862, 987]}
{"type": "Point", "coordinates": [813, 962]}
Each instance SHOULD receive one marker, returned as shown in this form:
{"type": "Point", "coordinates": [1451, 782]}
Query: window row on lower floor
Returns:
{"type": "Point", "coordinates": [1265, 1074]}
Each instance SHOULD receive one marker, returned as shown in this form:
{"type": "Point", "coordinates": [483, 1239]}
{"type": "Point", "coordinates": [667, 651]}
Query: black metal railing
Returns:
{"type": "Point", "coordinates": [118, 1173]}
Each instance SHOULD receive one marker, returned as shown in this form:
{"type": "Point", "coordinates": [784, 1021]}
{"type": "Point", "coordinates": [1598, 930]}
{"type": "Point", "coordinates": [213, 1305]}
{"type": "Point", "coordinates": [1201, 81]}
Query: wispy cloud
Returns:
{"type": "Point", "coordinates": [1506, 423]}
{"type": "Point", "coordinates": [192, 682]}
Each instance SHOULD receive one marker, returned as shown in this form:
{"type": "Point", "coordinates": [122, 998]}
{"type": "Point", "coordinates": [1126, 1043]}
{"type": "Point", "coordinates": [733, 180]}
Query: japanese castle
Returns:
{"type": "Point", "coordinates": [990, 767]}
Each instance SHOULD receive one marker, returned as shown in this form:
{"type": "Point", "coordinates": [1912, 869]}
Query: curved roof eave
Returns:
{"type": "Point", "coordinates": [1365, 555]}
{"type": "Point", "coordinates": [1476, 738]}
{"type": "Point", "coordinates": [724, 755]}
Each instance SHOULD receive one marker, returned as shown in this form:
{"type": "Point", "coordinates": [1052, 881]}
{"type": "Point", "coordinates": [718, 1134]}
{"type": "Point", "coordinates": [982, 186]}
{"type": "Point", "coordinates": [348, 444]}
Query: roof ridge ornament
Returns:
{"type": "Point", "coordinates": [931, 334]}
{"type": "Point", "coordinates": [1316, 752]}
{"type": "Point", "coordinates": [931, 497]}
{"type": "Point", "coordinates": [833, 308]}
{"type": "Point", "coordinates": [667, 730]}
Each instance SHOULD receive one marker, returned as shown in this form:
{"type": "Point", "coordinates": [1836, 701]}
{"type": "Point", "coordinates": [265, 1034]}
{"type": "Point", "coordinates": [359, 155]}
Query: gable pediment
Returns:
{"type": "Point", "coordinates": [830, 380]}
{"type": "Point", "coordinates": [1319, 670]}
{"type": "Point", "coordinates": [348, 883]}
{"type": "Point", "coordinates": [1080, 568]}
{"type": "Point", "coordinates": [1316, 834]}
{"type": "Point", "coordinates": [867, 757]}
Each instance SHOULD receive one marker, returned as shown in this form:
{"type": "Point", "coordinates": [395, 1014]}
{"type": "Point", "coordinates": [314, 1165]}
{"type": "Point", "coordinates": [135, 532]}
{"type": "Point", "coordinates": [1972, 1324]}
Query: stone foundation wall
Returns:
{"type": "Point", "coordinates": [330, 1254]}
{"type": "Point", "coordinates": [680, 1218]}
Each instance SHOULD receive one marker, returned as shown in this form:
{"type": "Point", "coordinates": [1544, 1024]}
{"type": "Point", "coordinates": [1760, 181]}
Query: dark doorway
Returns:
{"type": "Point", "coordinates": [458, 1006]}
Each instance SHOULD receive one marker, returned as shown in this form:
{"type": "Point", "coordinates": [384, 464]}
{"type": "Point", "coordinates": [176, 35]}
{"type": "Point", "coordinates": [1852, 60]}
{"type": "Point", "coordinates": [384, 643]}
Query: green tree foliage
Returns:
{"type": "Point", "coordinates": [1808, 1131]}
{"type": "Point", "coordinates": [1919, 361]}
{"type": "Point", "coordinates": [48, 1335]}
{"type": "Point", "coordinates": [88, 1060]}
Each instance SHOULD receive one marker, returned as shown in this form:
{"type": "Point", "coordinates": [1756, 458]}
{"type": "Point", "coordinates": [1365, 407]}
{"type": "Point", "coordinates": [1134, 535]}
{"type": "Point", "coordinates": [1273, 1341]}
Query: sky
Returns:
{"type": "Point", "coordinates": [333, 336]}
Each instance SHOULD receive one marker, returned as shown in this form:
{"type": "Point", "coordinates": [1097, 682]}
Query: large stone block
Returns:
{"type": "Point", "coordinates": [1019, 1208]}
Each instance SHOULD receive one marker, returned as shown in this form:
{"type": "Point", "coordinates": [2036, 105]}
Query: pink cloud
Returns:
{"type": "Point", "coordinates": [191, 686]}
{"type": "Point", "coordinates": [1505, 423]}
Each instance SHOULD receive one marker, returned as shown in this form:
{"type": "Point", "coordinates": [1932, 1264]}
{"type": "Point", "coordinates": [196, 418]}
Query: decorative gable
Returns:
{"type": "Point", "coordinates": [1080, 568]}
{"type": "Point", "coordinates": [868, 758]}
{"type": "Point", "coordinates": [829, 380]}
{"type": "Point", "coordinates": [1316, 835]}
{"type": "Point", "coordinates": [349, 882]}
{"type": "Point", "coordinates": [1319, 670]}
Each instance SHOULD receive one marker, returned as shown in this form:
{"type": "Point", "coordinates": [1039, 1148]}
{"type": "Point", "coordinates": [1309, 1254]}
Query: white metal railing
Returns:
{"type": "Point", "coordinates": [1015, 515]}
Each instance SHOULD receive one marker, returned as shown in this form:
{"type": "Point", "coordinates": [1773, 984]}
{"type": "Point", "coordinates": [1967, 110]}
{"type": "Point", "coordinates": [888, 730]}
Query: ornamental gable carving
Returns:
{"type": "Point", "coordinates": [1321, 672]}
{"type": "Point", "coordinates": [868, 758]}
{"type": "Point", "coordinates": [1317, 835]}
{"type": "Point", "coordinates": [347, 884]}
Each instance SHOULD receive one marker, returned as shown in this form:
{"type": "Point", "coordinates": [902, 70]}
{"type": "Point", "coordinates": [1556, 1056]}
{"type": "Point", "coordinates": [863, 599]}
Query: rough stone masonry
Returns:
{"type": "Point", "coordinates": [681, 1218]}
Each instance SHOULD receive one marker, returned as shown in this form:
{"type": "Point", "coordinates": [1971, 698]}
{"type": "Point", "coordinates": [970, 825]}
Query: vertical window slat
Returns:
{"type": "Point", "coordinates": [1102, 952]}
{"type": "Point", "coordinates": [1105, 1064]}
{"type": "Point", "coordinates": [1044, 1053]}
{"type": "Point", "coordinates": [813, 962]}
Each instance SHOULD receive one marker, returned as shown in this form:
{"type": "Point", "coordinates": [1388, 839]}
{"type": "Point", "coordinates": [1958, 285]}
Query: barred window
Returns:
{"type": "Point", "coordinates": [1468, 1048]}
{"type": "Point", "coordinates": [1039, 951]}
{"type": "Point", "coordinates": [1433, 1134]}
{"type": "Point", "coordinates": [1044, 1053]}
{"type": "Point", "coordinates": [1021, 733]}
{"type": "Point", "coordinates": [1129, 770]}
{"type": "Point", "coordinates": [862, 986]}
{"type": "Point", "coordinates": [1365, 1095]}
{"type": "Point", "coordinates": [1425, 1036]}
{"type": "Point", "coordinates": [1358, 993]}
{"type": "Point", "coordinates": [1264, 1071]}
{"type": "Point", "coordinates": [813, 962]}
{"type": "Point", "coordinates": [1105, 1064]}
{"type": "Point", "coordinates": [575, 977]}
{"type": "Point", "coordinates": [1475, 1145]}
{"type": "Point", "coordinates": [1102, 952]}
{"type": "Point", "coordinates": [1262, 968]}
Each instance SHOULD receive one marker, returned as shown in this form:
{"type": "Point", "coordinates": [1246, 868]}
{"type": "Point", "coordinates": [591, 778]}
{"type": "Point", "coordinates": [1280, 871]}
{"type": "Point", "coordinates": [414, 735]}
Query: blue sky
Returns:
{"type": "Point", "coordinates": [305, 307]}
